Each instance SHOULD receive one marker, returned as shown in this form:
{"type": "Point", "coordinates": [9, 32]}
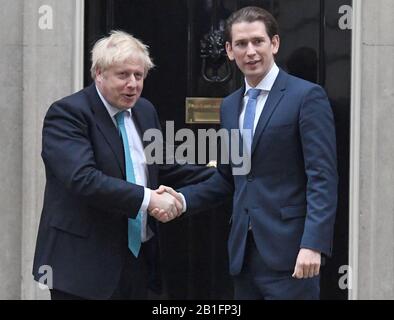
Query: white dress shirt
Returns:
{"type": "Point", "coordinates": [139, 161]}
{"type": "Point", "coordinates": [265, 85]}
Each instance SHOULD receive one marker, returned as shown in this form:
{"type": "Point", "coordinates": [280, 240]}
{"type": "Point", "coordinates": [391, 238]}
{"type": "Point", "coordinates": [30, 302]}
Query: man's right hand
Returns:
{"type": "Point", "coordinates": [161, 213]}
{"type": "Point", "coordinates": [164, 206]}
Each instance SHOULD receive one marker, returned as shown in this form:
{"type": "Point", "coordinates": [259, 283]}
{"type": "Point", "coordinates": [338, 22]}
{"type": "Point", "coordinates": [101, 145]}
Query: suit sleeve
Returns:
{"type": "Point", "coordinates": [68, 155]}
{"type": "Point", "coordinates": [210, 193]}
{"type": "Point", "coordinates": [317, 132]}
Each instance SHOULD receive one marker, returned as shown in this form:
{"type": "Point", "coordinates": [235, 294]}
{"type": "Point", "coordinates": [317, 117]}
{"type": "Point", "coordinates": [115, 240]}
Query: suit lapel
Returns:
{"type": "Point", "coordinates": [230, 118]}
{"type": "Point", "coordinates": [107, 127]}
{"type": "Point", "coordinates": [275, 95]}
{"type": "Point", "coordinates": [238, 99]}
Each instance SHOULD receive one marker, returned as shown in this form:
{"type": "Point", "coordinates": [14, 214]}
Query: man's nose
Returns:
{"type": "Point", "coordinates": [131, 81]}
{"type": "Point", "coordinates": [250, 50]}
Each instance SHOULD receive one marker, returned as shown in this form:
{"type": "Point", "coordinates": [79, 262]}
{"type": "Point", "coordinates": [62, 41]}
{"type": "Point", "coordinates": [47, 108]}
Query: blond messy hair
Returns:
{"type": "Point", "coordinates": [119, 46]}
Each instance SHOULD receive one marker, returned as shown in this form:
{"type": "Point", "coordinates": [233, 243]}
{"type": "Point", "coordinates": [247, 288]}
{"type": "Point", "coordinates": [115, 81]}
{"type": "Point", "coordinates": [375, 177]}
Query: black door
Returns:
{"type": "Point", "coordinates": [186, 42]}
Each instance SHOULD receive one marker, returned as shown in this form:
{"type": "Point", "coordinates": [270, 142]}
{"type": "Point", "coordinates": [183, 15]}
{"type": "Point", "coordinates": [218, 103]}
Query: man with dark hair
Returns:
{"type": "Point", "coordinates": [284, 207]}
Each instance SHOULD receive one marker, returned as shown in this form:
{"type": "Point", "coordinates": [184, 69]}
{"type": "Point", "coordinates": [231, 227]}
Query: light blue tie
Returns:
{"type": "Point", "coordinates": [250, 112]}
{"type": "Point", "coordinates": [134, 225]}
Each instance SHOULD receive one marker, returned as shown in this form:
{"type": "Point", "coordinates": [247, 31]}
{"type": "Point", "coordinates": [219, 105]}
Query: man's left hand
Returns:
{"type": "Point", "coordinates": [308, 264]}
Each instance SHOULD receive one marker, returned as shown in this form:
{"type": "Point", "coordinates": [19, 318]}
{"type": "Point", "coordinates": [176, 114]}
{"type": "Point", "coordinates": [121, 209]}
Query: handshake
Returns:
{"type": "Point", "coordinates": [165, 204]}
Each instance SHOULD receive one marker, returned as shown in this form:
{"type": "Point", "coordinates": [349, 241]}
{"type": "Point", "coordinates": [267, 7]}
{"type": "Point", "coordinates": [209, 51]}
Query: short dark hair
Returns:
{"type": "Point", "coordinates": [252, 14]}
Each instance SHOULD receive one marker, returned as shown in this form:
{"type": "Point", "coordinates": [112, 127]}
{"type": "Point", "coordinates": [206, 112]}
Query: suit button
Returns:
{"type": "Point", "coordinates": [250, 177]}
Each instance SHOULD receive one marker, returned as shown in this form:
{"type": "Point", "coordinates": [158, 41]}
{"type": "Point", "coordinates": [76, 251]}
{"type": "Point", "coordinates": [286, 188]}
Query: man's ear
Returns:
{"type": "Point", "coordinates": [99, 74]}
{"type": "Point", "coordinates": [229, 51]}
{"type": "Point", "coordinates": [275, 42]}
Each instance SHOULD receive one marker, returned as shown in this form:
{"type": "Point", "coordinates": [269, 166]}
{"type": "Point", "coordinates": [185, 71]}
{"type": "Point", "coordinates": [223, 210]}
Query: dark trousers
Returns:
{"type": "Point", "coordinates": [133, 281]}
{"type": "Point", "coordinates": [61, 295]}
{"type": "Point", "coordinates": [258, 282]}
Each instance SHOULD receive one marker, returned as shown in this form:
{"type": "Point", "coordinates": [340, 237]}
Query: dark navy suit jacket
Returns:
{"type": "Point", "coordinates": [83, 229]}
{"type": "Point", "coordinates": [289, 197]}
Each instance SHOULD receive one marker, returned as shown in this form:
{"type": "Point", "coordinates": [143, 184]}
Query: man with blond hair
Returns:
{"type": "Point", "coordinates": [95, 234]}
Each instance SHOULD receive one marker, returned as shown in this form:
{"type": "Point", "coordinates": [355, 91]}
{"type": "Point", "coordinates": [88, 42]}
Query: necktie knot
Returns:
{"type": "Point", "coordinates": [120, 117]}
{"type": "Point", "coordinates": [253, 93]}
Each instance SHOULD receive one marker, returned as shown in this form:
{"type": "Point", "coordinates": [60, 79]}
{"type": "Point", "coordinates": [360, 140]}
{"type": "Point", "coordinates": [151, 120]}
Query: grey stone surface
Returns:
{"type": "Point", "coordinates": [47, 76]}
{"type": "Point", "coordinates": [36, 69]}
{"type": "Point", "coordinates": [10, 148]}
{"type": "Point", "coordinates": [376, 216]}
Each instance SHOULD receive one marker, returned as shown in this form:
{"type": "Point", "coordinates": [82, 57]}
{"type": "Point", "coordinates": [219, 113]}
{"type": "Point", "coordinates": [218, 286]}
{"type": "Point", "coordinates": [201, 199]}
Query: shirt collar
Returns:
{"type": "Point", "coordinates": [111, 110]}
{"type": "Point", "coordinates": [267, 82]}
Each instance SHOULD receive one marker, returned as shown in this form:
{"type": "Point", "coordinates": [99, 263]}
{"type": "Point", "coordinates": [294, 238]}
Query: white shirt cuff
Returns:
{"type": "Point", "coordinates": [146, 200]}
{"type": "Point", "coordinates": [183, 202]}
